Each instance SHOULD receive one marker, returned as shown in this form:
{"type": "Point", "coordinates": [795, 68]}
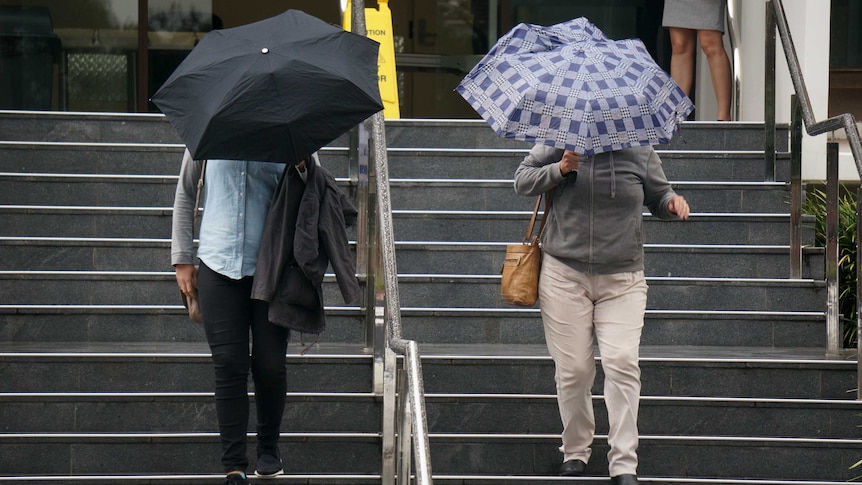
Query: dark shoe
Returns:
{"type": "Point", "coordinates": [236, 479]}
{"type": "Point", "coordinates": [572, 468]}
{"type": "Point", "coordinates": [625, 480]}
{"type": "Point", "coordinates": [268, 466]}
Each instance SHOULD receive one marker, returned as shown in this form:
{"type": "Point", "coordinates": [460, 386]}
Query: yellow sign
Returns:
{"type": "Point", "coordinates": [378, 24]}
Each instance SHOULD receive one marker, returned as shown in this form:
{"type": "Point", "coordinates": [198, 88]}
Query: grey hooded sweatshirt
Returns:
{"type": "Point", "coordinates": [595, 224]}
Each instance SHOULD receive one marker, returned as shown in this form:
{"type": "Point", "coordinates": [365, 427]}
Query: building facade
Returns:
{"type": "Point", "coordinates": [112, 55]}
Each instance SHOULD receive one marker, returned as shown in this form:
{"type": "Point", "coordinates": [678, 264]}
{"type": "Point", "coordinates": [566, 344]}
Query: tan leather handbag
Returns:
{"type": "Point", "coordinates": [520, 282]}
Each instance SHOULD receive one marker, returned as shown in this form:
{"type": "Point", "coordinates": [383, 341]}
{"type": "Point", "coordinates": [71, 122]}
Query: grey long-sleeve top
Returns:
{"type": "Point", "coordinates": [596, 221]}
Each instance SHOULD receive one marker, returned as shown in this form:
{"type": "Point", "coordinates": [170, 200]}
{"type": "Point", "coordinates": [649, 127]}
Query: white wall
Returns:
{"type": "Point", "coordinates": [809, 27]}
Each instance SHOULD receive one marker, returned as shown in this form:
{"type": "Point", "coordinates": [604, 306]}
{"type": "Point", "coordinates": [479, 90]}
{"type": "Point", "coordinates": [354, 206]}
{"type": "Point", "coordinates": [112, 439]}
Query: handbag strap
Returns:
{"type": "Point", "coordinates": [198, 197]}
{"type": "Point", "coordinates": [549, 201]}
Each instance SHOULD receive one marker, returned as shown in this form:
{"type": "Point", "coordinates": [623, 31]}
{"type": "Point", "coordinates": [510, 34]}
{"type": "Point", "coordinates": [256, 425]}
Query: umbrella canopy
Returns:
{"type": "Point", "coordinates": [274, 90]}
{"type": "Point", "coordinates": [571, 87]}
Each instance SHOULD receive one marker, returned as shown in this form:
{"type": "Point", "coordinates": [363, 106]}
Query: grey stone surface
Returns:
{"type": "Point", "coordinates": [729, 367]}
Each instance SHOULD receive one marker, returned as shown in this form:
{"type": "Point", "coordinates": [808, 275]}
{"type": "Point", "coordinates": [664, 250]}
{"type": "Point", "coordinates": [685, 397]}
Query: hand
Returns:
{"type": "Point", "coordinates": [678, 206]}
{"type": "Point", "coordinates": [187, 279]}
{"type": "Point", "coordinates": [569, 162]}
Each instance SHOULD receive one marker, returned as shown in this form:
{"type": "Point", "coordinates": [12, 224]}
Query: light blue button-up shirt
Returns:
{"type": "Point", "coordinates": [237, 196]}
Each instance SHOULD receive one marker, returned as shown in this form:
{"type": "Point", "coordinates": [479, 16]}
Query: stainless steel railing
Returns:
{"type": "Point", "coordinates": [404, 424]}
{"type": "Point", "coordinates": [776, 19]}
{"type": "Point", "coordinates": [735, 60]}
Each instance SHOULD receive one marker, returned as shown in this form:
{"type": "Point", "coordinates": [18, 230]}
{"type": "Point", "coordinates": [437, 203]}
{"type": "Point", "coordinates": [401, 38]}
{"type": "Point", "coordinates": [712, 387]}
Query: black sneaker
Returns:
{"type": "Point", "coordinates": [269, 466]}
{"type": "Point", "coordinates": [236, 479]}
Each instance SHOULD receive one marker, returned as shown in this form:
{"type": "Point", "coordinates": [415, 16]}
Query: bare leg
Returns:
{"type": "Point", "coordinates": [683, 43]}
{"type": "Point", "coordinates": [719, 69]}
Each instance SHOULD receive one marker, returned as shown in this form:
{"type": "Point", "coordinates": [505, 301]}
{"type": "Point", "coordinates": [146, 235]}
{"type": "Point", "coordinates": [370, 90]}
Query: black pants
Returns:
{"type": "Point", "coordinates": [229, 313]}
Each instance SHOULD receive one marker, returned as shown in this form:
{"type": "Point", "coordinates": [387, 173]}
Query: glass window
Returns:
{"type": "Point", "coordinates": [69, 55]}
{"type": "Point", "coordinates": [846, 39]}
{"type": "Point", "coordinates": [174, 28]}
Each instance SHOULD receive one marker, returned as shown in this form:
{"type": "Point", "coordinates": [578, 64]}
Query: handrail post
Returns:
{"type": "Point", "coordinates": [776, 18]}
{"type": "Point", "coordinates": [385, 363]}
{"type": "Point", "coordinates": [769, 96]}
{"type": "Point", "coordinates": [404, 429]}
{"type": "Point", "coordinates": [795, 188]}
{"type": "Point", "coordinates": [833, 333]}
{"type": "Point", "coordinates": [858, 296]}
{"type": "Point", "coordinates": [392, 313]}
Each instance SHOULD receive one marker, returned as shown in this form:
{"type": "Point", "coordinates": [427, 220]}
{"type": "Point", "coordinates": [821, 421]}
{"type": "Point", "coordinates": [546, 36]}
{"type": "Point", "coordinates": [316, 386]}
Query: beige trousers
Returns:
{"type": "Point", "coordinates": [575, 306]}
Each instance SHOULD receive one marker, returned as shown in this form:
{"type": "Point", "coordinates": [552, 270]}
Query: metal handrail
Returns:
{"type": "Point", "coordinates": [733, 37]}
{"type": "Point", "coordinates": [413, 431]}
{"type": "Point", "coordinates": [775, 14]}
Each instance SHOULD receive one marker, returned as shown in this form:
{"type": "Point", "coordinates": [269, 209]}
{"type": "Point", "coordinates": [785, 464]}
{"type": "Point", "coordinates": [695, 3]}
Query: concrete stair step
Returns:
{"type": "Point", "coordinates": [510, 226]}
{"type": "Point", "coordinates": [491, 163]}
{"type": "Point", "coordinates": [437, 194]}
{"type": "Point", "coordinates": [86, 221]}
{"type": "Point", "coordinates": [185, 479]}
{"type": "Point", "coordinates": [662, 328]}
{"type": "Point", "coordinates": [59, 126]}
{"type": "Point", "coordinates": [732, 372]}
{"type": "Point", "coordinates": [666, 371]}
{"type": "Point", "coordinates": [658, 456]}
{"type": "Point", "coordinates": [498, 454]}
{"type": "Point", "coordinates": [464, 413]}
{"type": "Point", "coordinates": [745, 261]}
{"type": "Point", "coordinates": [523, 404]}
{"type": "Point", "coordinates": [444, 290]}
{"type": "Point", "coordinates": [476, 194]}
{"type": "Point", "coordinates": [351, 479]}
{"type": "Point", "coordinates": [519, 414]}
{"type": "Point", "coordinates": [127, 254]}
{"type": "Point", "coordinates": [133, 412]}
{"type": "Point", "coordinates": [131, 159]}
{"type": "Point", "coordinates": [477, 134]}
{"type": "Point", "coordinates": [404, 162]}
{"type": "Point", "coordinates": [95, 254]}
{"type": "Point", "coordinates": [80, 382]}
{"type": "Point", "coordinates": [473, 226]}
{"type": "Point", "coordinates": [135, 324]}
{"type": "Point", "coordinates": [90, 158]}
{"type": "Point", "coordinates": [121, 254]}
{"type": "Point", "coordinates": [669, 293]}
{"type": "Point", "coordinates": [169, 323]}
{"type": "Point", "coordinates": [88, 190]}
{"type": "Point", "coordinates": [169, 367]}
{"type": "Point", "coordinates": [338, 454]}
{"type": "Point", "coordinates": [154, 128]}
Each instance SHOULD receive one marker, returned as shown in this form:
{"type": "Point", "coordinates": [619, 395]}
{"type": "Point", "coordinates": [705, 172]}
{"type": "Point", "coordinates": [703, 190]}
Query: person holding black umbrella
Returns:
{"type": "Point", "coordinates": [592, 282]}
{"type": "Point", "coordinates": [238, 196]}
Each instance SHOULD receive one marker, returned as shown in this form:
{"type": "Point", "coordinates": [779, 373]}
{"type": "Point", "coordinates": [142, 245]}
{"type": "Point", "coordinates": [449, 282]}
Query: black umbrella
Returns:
{"type": "Point", "coordinates": [274, 90]}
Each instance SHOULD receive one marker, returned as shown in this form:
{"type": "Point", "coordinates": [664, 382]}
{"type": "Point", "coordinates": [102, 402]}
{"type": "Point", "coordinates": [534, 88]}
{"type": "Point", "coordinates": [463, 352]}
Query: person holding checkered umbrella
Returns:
{"type": "Point", "coordinates": [593, 107]}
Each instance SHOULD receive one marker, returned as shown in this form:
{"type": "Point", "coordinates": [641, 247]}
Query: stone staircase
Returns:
{"type": "Point", "coordinates": [104, 380]}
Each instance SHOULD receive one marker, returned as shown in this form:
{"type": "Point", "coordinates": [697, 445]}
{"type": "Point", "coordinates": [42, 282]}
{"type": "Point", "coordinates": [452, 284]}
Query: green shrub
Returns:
{"type": "Point", "coordinates": [815, 204]}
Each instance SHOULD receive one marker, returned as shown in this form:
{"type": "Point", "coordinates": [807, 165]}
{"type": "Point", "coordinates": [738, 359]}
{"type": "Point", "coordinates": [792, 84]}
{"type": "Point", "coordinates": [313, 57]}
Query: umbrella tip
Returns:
{"type": "Point", "coordinates": [264, 51]}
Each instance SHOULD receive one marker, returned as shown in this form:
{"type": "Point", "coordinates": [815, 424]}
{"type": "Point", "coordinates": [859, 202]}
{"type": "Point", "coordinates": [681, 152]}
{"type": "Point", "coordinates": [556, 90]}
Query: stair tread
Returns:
{"type": "Point", "coordinates": [443, 351]}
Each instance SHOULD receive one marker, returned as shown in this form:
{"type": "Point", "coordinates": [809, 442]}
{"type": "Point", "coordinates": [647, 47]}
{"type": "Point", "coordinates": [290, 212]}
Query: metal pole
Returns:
{"type": "Point", "coordinates": [858, 296]}
{"type": "Point", "coordinates": [405, 428]}
{"type": "Point", "coordinates": [408, 348]}
{"type": "Point", "coordinates": [143, 59]}
{"type": "Point", "coordinates": [795, 188]}
{"type": "Point", "coordinates": [833, 320]}
{"type": "Point", "coordinates": [769, 96]}
{"type": "Point", "coordinates": [390, 410]}
{"type": "Point", "coordinates": [385, 364]}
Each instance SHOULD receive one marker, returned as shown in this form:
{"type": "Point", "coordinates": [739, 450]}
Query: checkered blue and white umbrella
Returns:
{"type": "Point", "coordinates": [571, 87]}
